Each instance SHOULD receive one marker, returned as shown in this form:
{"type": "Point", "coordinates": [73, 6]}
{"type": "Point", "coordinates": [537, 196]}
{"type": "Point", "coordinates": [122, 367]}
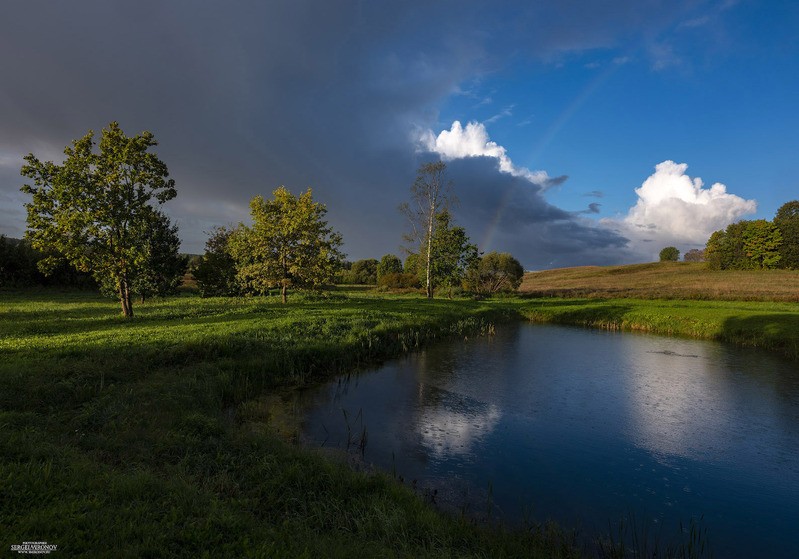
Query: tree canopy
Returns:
{"type": "Point", "coordinates": [787, 221]}
{"type": "Point", "coordinates": [389, 264]}
{"type": "Point", "coordinates": [745, 245]}
{"type": "Point", "coordinates": [495, 272]}
{"type": "Point", "coordinates": [96, 209]}
{"type": "Point", "coordinates": [216, 271]}
{"type": "Point", "coordinates": [288, 245]}
{"type": "Point", "coordinates": [669, 254]}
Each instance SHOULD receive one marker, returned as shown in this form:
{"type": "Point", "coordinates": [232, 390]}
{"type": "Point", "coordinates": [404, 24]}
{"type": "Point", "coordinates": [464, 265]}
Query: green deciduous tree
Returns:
{"type": "Point", "coordinates": [761, 241]}
{"type": "Point", "coordinates": [165, 266]}
{"type": "Point", "coordinates": [451, 253]}
{"type": "Point", "coordinates": [389, 264]}
{"type": "Point", "coordinates": [787, 221]}
{"type": "Point", "coordinates": [669, 254]}
{"type": "Point", "coordinates": [430, 195]}
{"type": "Point", "coordinates": [94, 209]}
{"type": "Point", "coordinates": [363, 272]}
{"type": "Point", "coordinates": [288, 245]}
{"type": "Point", "coordinates": [494, 272]}
{"type": "Point", "coordinates": [744, 245]}
{"type": "Point", "coordinates": [216, 271]}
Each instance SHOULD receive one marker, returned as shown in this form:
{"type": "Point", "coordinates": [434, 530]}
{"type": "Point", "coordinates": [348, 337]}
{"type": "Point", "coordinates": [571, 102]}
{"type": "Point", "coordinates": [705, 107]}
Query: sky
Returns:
{"type": "Point", "coordinates": [574, 132]}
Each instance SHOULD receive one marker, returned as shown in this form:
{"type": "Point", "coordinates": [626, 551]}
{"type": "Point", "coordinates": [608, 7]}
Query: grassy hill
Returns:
{"type": "Point", "coordinates": [664, 280]}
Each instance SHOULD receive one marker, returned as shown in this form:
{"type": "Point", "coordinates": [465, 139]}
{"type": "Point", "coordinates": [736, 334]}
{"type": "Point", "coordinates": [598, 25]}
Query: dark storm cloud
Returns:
{"type": "Point", "coordinates": [508, 213]}
{"type": "Point", "coordinates": [246, 96]}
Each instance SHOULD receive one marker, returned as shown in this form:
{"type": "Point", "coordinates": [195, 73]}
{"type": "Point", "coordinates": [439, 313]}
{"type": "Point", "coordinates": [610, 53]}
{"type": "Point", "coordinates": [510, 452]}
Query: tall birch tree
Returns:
{"type": "Point", "coordinates": [431, 194]}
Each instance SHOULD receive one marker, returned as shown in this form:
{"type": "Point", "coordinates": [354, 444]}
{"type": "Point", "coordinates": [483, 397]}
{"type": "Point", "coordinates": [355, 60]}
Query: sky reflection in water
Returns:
{"type": "Point", "coordinates": [585, 427]}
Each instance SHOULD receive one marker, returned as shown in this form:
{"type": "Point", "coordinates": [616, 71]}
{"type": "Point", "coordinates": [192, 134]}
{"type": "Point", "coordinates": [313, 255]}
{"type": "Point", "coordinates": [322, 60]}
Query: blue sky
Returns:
{"type": "Point", "coordinates": [565, 109]}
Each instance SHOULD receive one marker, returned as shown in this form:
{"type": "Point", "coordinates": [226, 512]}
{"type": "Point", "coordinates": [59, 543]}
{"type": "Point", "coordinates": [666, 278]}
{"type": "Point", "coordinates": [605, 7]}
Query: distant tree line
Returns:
{"type": "Point", "coordinates": [19, 268]}
{"type": "Point", "coordinates": [757, 244]}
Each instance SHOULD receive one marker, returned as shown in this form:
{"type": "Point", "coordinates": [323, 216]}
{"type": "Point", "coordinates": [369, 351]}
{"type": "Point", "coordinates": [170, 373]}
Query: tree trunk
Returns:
{"type": "Point", "coordinates": [124, 299]}
{"type": "Point", "coordinates": [430, 251]}
{"type": "Point", "coordinates": [283, 293]}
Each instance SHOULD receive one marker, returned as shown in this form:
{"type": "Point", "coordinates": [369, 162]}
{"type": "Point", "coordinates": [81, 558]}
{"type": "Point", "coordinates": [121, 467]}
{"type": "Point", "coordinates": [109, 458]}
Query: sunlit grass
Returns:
{"type": "Point", "coordinates": [125, 436]}
{"type": "Point", "coordinates": [142, 437]}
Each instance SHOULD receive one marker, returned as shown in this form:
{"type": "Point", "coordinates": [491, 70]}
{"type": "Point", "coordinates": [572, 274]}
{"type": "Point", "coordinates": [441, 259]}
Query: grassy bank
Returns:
{"type": "Point", "coordinates": [771, 326]}
{"type": "Point", "coordinates": [137, 438]}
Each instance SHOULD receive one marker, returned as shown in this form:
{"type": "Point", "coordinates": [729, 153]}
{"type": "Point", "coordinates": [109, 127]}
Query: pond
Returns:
{"type": "Point", "coordinates": [586, 428]}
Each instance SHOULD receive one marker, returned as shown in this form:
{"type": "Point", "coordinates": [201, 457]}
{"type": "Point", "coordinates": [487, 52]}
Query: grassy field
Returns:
{"type": "Point", "coordinates": [664, 280]}
{"type": "Point", "coordinates": [142, 438]}
{"type": "Point", "coordinates": [150, 437]}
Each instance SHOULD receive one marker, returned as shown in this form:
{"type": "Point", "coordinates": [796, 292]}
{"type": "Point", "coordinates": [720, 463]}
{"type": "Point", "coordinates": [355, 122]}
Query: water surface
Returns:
{"type": "Point", "coordinates": [584, 427]}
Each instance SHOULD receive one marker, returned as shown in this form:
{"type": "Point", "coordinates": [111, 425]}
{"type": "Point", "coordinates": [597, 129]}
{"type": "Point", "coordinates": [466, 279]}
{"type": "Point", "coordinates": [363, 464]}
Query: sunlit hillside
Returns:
{"type": "Point", "coordinates": [664, 280]}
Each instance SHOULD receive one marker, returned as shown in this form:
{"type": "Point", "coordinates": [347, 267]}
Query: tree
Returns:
{"type": "Point", "coordinates": [745, 245]}
{"type": "Point", "coordinates": [165, 266]}
{"type": "Point", "coordinates": [714, 250]}
{"type": "Point", "coordinates": [364, 272]}
{"type": "Point", "coordinates": [787, 221]}
{"type": "Point", "coordinates": [762, 240]}
{"type": "Point", "coordinates": [694, 255]}
{"type": "Point", "coordinates": [669, 254]}
{"type": "Point", "coordinates": [94, 208]}
{"type": "Point", "coordinates": [216, 271]}
{"type": "Point", "coordinates": [495, 272]}
{"type": "Point", "coordinates": [288, 245]}
{"type": "Point", "coordinates": [411, 265]}
{"type": "Point", "coordinates": [451, 253]}
{"type": "Point", "coordinates": [389, 264]}
{"type": "Point", "coordinates": [430, 195]}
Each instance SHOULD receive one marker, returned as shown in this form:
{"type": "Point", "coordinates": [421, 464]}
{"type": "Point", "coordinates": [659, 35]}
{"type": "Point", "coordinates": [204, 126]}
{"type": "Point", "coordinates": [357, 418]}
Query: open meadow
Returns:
{"type": "Point", "coordinates": [148, 436]}
{"type": "Point", "coordinates": [664, 280]}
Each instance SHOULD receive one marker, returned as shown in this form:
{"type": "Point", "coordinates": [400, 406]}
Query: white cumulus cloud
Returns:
{"type": "Point", "coordinates": [472, 141]}
{"type": "Point", "coordinates": [675, 209]}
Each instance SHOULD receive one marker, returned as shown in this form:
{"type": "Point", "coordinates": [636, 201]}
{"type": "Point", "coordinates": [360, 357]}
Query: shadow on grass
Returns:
{"type": "Point", "coordinates": [776, 332]}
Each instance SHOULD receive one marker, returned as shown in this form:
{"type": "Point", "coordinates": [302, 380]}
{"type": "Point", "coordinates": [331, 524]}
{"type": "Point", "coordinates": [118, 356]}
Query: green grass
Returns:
{"type": "Point", "coordinates": [139, 438]}
{"type": "Point", "coordinates": [773, 326]}
{"type": "Point", "coordinates": [151, 436]}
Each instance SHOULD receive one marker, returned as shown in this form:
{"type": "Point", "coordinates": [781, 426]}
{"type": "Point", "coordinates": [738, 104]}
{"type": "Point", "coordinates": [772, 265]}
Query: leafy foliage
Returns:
{"type": "Point", "coordinates": [216, 271]}
{"type": "Point", "coordinates": [389, 264]}
{"type": "Point", "coordinates": [94, 210]}
{"type": "Point", "coordinates": [452, 253]}
{"type": "Point", "coordinates": [494, 272]}
{"type": "Point", "coordinates": [18, 268]}
{"type": "Point", "coordinates": [669, 254]}
{"type": "Point", "coordinates": [694, 255]}
{"type": "Point", "coordinates": [745, 245]}
{"type": "Point", "coordinates": [787, 221]}
{"type": "Point", "coordinates": [363, 272]}
{"type": "Point", "coordinates": [288, 245]}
